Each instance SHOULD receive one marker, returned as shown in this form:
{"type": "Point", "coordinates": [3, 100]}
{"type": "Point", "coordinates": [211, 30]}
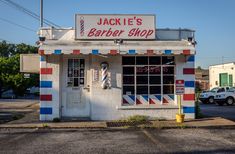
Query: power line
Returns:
{"type": "Point", "coordinates": [13, 23]}
{"type": "Point", "coordinates": [28, 12]}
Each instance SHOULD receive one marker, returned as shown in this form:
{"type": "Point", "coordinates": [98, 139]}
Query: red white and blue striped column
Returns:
{"type": "Point", "coordinates": [45, 86]}
{"type": "Point", "coordinates": [188, 102]}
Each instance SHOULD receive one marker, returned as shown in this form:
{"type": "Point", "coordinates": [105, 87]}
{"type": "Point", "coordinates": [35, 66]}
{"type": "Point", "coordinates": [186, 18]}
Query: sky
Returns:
{"type": "Point", "coordinates": [213, 21]}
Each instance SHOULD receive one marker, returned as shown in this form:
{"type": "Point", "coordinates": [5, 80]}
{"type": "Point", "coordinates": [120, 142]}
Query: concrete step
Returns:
{"type": "Point", "coordinates": [75, 119]}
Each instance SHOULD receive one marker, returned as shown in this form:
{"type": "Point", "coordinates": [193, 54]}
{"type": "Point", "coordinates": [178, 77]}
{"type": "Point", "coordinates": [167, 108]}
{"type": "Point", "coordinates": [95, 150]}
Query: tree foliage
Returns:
{"type": "Point", "coordinates": [10, 76]}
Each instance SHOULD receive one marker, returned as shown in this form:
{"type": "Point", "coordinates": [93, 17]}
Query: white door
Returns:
{"type": "Point", "coordinates": [75, 102]}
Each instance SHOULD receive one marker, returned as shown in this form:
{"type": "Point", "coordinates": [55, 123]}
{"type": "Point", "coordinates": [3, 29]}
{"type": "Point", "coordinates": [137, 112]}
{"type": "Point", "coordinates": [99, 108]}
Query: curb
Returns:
{"type": "Point", "coordinates": [123, 128]}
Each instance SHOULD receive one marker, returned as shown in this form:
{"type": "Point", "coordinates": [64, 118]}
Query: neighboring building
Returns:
{"type": "Point", "coordinates": [222, 75]}
{"type": "Point", "coordinates": [202, 79]}
{"type": "Point", "coordinates": [114, 66]}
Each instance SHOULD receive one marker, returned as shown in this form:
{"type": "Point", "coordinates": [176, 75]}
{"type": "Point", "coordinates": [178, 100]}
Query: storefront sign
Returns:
{"type": "Point", "coordinates": [179, 87]}
{"type": "Point", "coordinates": [114, 26]}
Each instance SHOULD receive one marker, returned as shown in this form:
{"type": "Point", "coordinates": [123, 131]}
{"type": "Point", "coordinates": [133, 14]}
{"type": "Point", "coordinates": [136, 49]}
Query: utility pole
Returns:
{"type": "Point", "coordinates": [41, 13]}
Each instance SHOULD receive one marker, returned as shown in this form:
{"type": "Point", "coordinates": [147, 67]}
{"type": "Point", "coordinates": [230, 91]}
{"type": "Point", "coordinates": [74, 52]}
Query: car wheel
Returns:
{"type": "Point", "coordinates": [211, 100]}
{"type": "Point", "coordinates": [229, 101]}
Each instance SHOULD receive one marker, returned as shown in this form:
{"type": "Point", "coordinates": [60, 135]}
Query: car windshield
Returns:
{"type": "Point", "coordinates": [214, 89]}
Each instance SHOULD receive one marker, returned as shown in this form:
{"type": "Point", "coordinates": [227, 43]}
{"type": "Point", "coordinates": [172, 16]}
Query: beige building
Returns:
{"type": "Point", "coordinates": [222, 75]}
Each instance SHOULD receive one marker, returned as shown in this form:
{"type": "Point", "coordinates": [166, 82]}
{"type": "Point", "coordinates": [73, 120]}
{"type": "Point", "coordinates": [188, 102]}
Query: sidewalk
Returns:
{"type": "Point", "coordinates": [216, 122]}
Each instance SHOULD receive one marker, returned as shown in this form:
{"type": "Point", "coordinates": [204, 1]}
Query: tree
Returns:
{"type": "Point", "coordinates": [10, 76]}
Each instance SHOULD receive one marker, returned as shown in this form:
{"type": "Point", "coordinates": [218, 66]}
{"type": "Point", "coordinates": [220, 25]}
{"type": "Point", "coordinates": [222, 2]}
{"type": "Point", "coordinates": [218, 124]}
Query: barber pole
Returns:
{"type": "Point", "coordinates": [82, 26]}
{"type": "Point", "coordinates": [104, 72]}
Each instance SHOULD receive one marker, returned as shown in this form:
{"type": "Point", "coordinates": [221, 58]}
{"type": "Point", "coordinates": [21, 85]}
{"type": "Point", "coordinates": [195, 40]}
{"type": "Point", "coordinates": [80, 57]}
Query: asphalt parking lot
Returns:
{"type": "Point", "coordinates": [213, 110]}
{"type": "Point", "coordinates": [118, 141]}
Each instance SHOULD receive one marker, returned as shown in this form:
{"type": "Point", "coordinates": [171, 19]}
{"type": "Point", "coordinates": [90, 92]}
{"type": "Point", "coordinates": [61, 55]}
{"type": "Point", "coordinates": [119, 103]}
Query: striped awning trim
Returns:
{"type": "Point", "coordinates": [116, 52]}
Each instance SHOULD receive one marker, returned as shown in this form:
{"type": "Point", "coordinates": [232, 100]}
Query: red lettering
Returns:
{"type": "Point", "coordinates": [104, 31]}
{"type": "Point", "coordinates": [143, 33]}
{"type": "Point", "coordinates": [150, 32]}
{"type": "Point", "coordinates": [139, 21]}
{"type": "Point", "coordinates": [118, 21]}
{"type": "Point", "coordinates": [91, 33]}
{"type": "Point", "coordinates": [136, 32]}
{"type": "Point", "coordinates": [98, 32]}
{"type": "Point", "coordinates": [112, 22]}
{"type": "Point", "coordinates": [106, 21]}
{"type": "Point", "coordinates": [130, 21]}
{"type": "Point", "coordinates": [109, 33]}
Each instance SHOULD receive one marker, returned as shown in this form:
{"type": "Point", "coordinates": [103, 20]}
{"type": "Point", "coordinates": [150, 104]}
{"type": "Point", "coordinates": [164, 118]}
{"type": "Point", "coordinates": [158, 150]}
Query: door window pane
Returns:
{"type": "Point", "coordinates": [81, 80]}
{"type": "Point", "coordinates": [82, 63]}
{"type": "Point", "coordinates": [74, 73]}
{"type": "Point", "coordinates": [75, 82]}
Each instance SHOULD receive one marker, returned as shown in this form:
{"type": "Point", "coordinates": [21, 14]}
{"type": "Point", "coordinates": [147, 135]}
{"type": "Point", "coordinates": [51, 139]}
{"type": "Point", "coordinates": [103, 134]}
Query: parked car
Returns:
{"type": "Point", "coordinates": [8, 94]}
{"type": "Point", "coordinates": [227, 97]}
{"type": "Point", "coordinates": [208, 96]}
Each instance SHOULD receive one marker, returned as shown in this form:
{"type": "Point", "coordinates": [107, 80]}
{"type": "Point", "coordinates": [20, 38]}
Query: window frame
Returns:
{"type": "Point", "coordinates": [79, 72]}
{"type": "Point", "coordinates": [148, 84]}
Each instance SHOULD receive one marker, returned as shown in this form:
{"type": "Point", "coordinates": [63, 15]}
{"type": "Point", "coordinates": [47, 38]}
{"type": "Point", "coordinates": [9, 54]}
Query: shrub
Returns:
{"type": "Point", "coordinates": [137, 118]}
{"type": "Point", "coordinates": [56, 120]}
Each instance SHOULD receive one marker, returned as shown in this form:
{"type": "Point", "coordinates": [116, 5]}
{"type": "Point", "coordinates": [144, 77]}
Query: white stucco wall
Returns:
{"type": "Point", "coordinates": [105, 104]}
{"type": "Point", "coordinates": [215, 70]}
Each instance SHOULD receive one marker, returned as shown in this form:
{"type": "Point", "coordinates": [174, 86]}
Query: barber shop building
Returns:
{"type": "Point", "coordinates": [109, 67]}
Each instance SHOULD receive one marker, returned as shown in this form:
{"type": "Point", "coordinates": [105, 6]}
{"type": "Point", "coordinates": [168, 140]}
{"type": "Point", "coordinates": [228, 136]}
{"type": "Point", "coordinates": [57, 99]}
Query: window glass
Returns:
{"type": "Point", "coordinates": [142, 70]}
{"type": "Point", "coordinates": [148, 75]}
{"type": "Point", "coordinates": [154, 60]}
{"type": "Point", "coordinates": [155, 79]}
{"type": "Point", "coordinates": [155, 89]}
{"type": "Point", "coordinates": [143, 60]}
{"type": "Point", "coordinates": [128, 79]}
{"type": "Point", "coordinates": [128, 90]}
{"type": "Point", "coordinates": [82, 81]}
{"type": "Point", "coordinates": [168, 89]}
{"type": "Point", "coordinates": [168, 79]}
{"type": "Point", "coordinates": [168, 60]}
{"type": "Point", "coordinates": [128, 70]}
{"type": "Point", "coordinates": [128, 60]}
{"type": "Point", "coordinates": [82, 63]}
{"type": "Point", "coordinates": [168, 70]}
{"type": "Point", "coordinates": [142, 79]}
{"type": "Point", "coordinates": [142, 90]}
{"type": "Point", "coordinates": [154, 69]}
{"type": "Point", "coordinates": [75, 81]}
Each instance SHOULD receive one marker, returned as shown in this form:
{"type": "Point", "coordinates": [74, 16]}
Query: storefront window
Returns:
{"type": "Point", "coordinates": [148, 77]}
{"type": "Point", "coordinates": [75, 74]}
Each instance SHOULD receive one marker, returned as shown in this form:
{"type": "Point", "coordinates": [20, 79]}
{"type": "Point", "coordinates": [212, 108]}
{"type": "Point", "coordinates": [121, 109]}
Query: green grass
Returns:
{"type": "Point", "coordinates": [137, 119]}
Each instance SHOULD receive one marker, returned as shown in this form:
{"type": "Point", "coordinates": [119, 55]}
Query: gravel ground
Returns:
{"type": "Point", "coordinates": [118, 141]}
